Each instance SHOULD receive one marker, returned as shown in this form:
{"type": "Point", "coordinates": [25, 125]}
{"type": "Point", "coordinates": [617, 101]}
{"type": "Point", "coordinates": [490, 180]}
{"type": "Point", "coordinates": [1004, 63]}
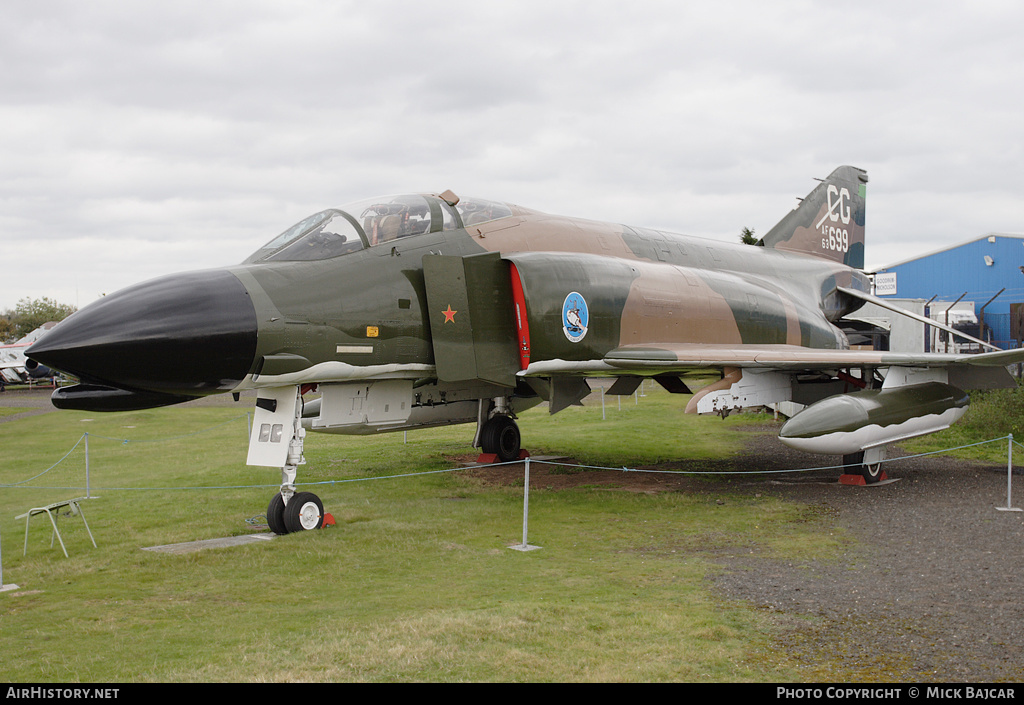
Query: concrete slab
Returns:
{"type": "Point", "coordinates": [191, 546]}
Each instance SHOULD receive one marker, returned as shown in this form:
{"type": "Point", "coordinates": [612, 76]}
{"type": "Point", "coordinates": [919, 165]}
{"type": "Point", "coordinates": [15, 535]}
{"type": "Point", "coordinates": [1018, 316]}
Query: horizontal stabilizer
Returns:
{"type": "Point", "coordinates": [863, 296]}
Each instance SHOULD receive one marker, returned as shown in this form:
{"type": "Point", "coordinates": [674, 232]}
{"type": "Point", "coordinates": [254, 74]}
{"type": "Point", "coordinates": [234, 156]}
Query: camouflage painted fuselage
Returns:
{"type": "Point", "coordinates": [467, 297]}
{"type": "Point", "coordinates": [641, 287]}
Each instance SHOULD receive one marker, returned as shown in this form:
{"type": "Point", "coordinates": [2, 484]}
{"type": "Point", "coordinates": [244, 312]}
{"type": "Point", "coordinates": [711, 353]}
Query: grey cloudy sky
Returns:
{"type": "Point", "coordinates": [140, 138]}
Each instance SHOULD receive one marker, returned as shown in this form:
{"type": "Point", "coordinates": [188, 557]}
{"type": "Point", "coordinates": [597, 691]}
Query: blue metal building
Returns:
{"type": "Point", "coordinates": [976, 269]}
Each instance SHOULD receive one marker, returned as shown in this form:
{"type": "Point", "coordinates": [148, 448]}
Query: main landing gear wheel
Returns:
{"type": "Point", "coordinates": [500, 436]}
{"type": "Point", "coordinates": [855, 465]}
{"type": "Point", "coordinates": [304, 512]}
{"type": "Point", "coordinates": [871, 473]}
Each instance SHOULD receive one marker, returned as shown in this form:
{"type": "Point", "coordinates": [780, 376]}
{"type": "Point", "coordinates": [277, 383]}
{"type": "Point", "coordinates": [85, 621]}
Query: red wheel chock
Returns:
{"type": "Point", "coordinates": [491, 458]}
{"type": "Point", "coordinates": [858, 480]}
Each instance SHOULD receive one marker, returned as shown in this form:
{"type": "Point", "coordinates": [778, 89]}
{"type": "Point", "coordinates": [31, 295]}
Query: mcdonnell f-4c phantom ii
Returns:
{"type": "Point", "coordinates": [423, 310]}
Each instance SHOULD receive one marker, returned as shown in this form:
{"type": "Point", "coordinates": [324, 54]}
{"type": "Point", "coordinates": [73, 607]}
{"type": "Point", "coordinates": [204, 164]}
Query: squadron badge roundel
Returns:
{"type": "Point", "coordinates": [575, 317]}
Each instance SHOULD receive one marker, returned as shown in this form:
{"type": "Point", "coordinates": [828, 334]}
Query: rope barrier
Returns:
{"type": "Point", "coordinates": [22, 484]}
{"type": "Point", "coordinates": [17, 484]}
{"type": "Point", "coordinates": [277, 484]}
{"type": "Point", "coordinates": [126, 441]}
{"type": "Point", "coordinates": [123, 441]}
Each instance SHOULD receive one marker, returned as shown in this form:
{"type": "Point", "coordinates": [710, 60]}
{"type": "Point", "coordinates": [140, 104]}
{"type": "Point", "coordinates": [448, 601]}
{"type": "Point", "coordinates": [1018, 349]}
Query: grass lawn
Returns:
{"type": "Point", "coordinates": [415, 583]}
{"type": "Point", "coordinates": [993, 414]}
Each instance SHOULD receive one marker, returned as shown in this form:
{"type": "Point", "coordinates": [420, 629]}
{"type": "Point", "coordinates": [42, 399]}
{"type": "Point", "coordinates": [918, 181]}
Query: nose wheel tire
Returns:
{"type": "Point", "coordinates": [304, 512]}
{"type": "Point", "coordinates": [501, 437]}
{"type": "Point", "coordinates": [275, 515]}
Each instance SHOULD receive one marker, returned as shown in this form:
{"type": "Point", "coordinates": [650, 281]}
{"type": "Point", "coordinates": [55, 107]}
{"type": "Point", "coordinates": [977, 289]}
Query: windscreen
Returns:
{"type": "Point", "coordinates": [320, 236]}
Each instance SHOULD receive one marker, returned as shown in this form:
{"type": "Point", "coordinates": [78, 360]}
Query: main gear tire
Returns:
{"type": "Point", "coordinates": [502, 438]}
{"type": "Point", "coordinates": [872, 473]}
{"type": "Point", "coordinates": [855, 465]}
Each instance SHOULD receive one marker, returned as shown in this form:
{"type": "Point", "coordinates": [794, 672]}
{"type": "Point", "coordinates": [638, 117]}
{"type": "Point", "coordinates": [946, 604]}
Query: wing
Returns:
{"type": "Point", "coordinates": [759, 375]}
{"type": "Point", "coordinates": [689, 358]}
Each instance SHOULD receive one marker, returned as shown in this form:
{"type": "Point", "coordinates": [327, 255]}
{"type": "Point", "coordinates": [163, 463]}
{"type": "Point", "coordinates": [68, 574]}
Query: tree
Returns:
{"type": "Point", "coordinates": [29, 314]}
{"type": "Point", "coordinates": [747, 237]}
{"type": "Point", "coordinates": [7, 327]}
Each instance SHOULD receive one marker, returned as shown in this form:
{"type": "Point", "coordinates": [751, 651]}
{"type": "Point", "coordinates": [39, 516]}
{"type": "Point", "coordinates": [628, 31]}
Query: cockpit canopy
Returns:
{"type": "Point", "coordinates": [374, 221]}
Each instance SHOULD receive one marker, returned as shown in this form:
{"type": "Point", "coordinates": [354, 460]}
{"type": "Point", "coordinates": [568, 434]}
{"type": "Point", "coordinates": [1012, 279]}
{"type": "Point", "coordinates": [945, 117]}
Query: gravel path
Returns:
{"type": "Point", "coordinates": [931, 590]}
{"type": "Point", "coordinates": [25, 402]}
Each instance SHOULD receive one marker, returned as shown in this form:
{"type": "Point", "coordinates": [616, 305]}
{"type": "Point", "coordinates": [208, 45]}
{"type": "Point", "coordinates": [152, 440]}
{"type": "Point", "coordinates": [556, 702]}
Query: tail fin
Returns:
{"type": "Point", "coordinates": [829, 222]}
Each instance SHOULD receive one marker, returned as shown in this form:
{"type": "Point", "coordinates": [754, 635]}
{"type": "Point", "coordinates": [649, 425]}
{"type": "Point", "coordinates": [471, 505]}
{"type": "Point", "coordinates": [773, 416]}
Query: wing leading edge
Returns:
{"type": "Point", "coordinates": [683, 358]}
{"type": "Point", "coordinates": [756, 376]}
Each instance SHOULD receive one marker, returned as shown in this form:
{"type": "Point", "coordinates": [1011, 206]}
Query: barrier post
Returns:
{"type": "Point", "coordinates": [87, 495]}
{"type": "Point", "coordinates": [526, 499]}
{"type": "Point", "coordinates": [3, 587]}
{"type": "Point", "coordinates": [526, 510]}
{"type": "Point", "coordinates": [1009, 478]}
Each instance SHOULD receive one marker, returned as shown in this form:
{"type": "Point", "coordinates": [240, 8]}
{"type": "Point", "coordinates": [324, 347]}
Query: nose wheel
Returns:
{"type": "Point", "coordinates": [275, 515]}
{"type": "Point", "coordinates": [304, 512]}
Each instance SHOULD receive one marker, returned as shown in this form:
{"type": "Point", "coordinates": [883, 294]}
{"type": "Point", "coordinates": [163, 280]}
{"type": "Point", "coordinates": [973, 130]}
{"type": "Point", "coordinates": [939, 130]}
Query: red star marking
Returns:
{"type": "Point", "coordinates": [449, 315]}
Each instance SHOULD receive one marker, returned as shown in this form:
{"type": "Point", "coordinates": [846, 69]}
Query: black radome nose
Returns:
{"type": "Point", "coordinates": [185, 334]}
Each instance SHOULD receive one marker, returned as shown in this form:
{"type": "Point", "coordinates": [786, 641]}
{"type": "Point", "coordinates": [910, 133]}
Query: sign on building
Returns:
{"type": "Point", "coordinates": [885, 284]}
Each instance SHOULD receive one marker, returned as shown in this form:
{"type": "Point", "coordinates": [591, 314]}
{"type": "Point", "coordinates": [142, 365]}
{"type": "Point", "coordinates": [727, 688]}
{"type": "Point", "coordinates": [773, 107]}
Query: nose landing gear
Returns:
{"type": "Point", "coordinates": [276, 441]}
